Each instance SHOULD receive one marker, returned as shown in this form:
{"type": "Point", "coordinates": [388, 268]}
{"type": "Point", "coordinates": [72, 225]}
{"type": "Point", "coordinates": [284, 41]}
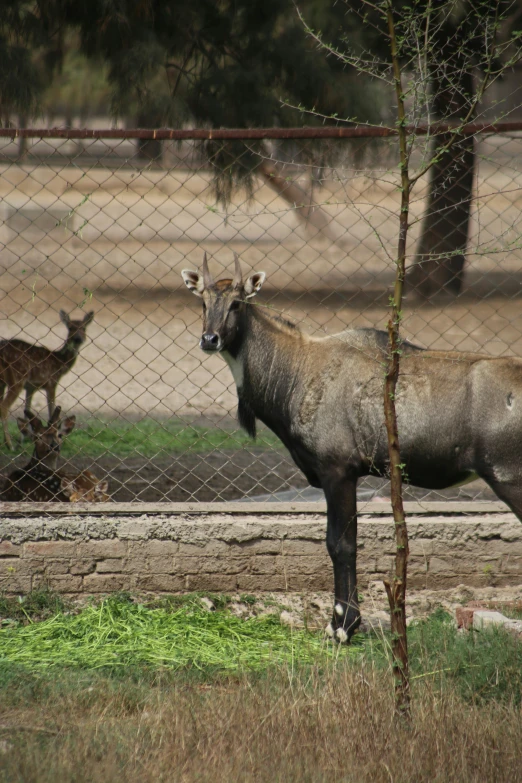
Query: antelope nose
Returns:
{"type": "Point", "coordinates": [210, 341]}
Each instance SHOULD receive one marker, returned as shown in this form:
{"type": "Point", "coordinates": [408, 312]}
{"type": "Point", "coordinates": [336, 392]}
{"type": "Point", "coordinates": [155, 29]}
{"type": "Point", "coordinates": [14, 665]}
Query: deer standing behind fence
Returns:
{"type": "Point", "coordinates": [36, 367]}
{"type": "Point", "coordinates": [40, 481]}
{"type": "Point", "coordinates": [459, 414]}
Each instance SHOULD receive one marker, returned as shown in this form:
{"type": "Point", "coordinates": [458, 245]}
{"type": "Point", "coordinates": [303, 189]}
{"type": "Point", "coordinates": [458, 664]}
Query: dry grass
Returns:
{"type": "Point", "coordinates": [330, 720]}
{"type": "Point", "coordinates": [330, 725]}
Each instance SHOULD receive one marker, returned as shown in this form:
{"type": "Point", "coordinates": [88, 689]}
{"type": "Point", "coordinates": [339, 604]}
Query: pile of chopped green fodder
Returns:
{"type": "Point", "coordinates": [118, 632]}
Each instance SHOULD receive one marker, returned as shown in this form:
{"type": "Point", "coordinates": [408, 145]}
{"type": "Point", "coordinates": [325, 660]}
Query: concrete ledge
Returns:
{"type": "Point", "coordinates": [80, 554]}
{"type": "Point", "coordinates": [382, 508]}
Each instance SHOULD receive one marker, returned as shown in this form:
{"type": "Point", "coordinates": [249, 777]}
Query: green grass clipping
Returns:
{"type": "Point", "coordinates": [122, 633]}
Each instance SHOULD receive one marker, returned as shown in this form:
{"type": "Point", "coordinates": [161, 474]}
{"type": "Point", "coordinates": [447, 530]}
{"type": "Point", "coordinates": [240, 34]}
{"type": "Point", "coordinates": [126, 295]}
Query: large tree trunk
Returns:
{"type": "Point", "coordinates": [440, 258]}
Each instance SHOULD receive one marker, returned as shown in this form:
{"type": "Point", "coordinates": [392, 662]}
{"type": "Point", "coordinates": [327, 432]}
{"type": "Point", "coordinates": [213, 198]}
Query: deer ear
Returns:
{"type": "Point", "coordinates": [68, 425]}
{"type": "Point", "coordinates": [253, 284]}
{"type": "Point", "coordinates": [24, 426]}
{"type": "Point", "coordinates": [64, 317]}
{"type": "Point", "coordinates": [88, 318]}
{"type": "Point", "coordinates": [33, 423]}
{"type": "Point", "coordinates": [193, 281]}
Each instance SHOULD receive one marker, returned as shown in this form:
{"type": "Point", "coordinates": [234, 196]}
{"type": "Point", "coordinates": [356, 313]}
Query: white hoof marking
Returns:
{"type": "Point", "coordinates": [339, 610]}
{"type": "Point", "coordinates": [341, 635]}
{"type": "Point", "coordinates": [329, 631]}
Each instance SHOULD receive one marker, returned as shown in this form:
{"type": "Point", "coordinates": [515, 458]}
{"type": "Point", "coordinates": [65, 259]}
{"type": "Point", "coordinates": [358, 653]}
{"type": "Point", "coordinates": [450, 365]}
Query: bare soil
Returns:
{"type": "Point", "coordinates": [221, 476]}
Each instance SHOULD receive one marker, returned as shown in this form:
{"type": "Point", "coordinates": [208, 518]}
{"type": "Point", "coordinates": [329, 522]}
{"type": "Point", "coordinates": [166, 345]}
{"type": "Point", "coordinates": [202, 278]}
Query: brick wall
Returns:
{"type": "Point", "coordinates": [247, 552]}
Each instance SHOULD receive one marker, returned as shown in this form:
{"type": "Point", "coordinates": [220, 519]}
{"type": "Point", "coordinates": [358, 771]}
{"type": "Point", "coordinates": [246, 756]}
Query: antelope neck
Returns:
{"type": "Point", "coordinates": [260, 352]}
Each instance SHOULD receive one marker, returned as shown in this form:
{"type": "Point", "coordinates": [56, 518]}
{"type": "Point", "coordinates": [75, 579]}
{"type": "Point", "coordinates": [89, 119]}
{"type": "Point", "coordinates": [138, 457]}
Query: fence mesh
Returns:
{"type": "Point", "coordinates": [107, 225]}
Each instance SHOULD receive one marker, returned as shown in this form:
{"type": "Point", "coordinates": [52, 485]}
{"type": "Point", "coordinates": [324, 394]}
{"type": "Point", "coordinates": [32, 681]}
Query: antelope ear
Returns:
{"type": "Point", "coordinates": [64, 317]}
{"type": "Point", "coordinates": [88, 318]}
{"type": "Point", "coordinates": [253, 284]}
{"type": "Point", "coordinates": [67, 425]}
{"type": "Point", "coordinates": [193, 281]}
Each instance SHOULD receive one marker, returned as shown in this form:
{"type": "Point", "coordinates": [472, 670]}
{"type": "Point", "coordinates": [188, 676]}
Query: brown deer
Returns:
{"type": "Point", "coordinates": [36, 367]}
{"type": "Point", "coordinates": [40, 481]}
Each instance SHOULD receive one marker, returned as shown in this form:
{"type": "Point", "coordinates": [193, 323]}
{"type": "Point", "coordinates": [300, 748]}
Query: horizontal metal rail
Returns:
{"type": "Point", "coordinates": [239, 134]}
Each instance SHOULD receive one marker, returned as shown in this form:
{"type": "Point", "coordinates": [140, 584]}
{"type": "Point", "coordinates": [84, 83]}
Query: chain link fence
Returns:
{"type": "Point", "coordinates": [105, 225]}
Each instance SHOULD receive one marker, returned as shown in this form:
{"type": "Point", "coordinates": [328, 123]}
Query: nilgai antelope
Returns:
{"type": "Point", "coordinates": [40, 481]}
{"type": "Point", "coordinates": [35, 367]}
{"type": "Point", "coordinates": [459, 414]}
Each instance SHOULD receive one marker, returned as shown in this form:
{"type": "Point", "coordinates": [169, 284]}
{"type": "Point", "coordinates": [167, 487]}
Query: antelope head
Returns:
{"type": "Point", "coordinates": [224, 303]}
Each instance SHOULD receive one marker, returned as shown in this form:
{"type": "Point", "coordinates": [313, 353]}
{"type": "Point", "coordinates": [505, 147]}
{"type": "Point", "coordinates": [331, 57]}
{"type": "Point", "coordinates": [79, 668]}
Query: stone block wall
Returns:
{"type": "Point", "coordinates": [247, 552]}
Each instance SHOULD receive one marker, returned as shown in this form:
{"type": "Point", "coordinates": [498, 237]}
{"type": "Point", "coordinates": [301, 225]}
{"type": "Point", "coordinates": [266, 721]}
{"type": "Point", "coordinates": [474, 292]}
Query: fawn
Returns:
{"type": "Point", "coordinates": [39, 480]}
{"type": "Point", "coordinates": [36, 367]}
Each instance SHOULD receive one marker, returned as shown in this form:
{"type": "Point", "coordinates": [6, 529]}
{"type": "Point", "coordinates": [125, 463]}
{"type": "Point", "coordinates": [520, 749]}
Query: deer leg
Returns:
{"type": "Point", "coordinates": [51, 397]}
{"type": "Point", "coordinates": [5, 405]}
{"type": "Point", "coordinates": [341, 542]}
{"type": "Point", "coordinates": [29, 393]}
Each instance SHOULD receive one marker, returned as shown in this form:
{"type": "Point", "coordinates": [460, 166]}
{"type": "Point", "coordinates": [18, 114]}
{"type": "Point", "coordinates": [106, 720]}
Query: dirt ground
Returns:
{"type": "Point", "coordinates": [220, 476]}
{"type": "Point", "coordinates": [115, 239]}
{"type": "Point", "coordinates": [314, 609]}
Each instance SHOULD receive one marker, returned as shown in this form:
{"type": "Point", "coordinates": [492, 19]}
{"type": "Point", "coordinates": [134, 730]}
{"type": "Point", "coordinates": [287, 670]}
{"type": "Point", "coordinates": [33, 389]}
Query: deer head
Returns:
{"type": "Point", "coordinates": [47, 439]}
{"type": "Point", "coordinates": [77, 329]}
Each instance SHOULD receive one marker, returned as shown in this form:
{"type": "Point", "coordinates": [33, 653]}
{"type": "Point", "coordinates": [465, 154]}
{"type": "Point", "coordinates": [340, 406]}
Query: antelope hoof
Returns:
{"type": "Point", "coordinates": [343, 625]}
{"type": "Point", "coordinates": [338, 635]}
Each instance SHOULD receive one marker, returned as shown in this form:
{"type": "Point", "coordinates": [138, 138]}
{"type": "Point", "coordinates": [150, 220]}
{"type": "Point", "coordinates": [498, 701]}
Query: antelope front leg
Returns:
{"type": "Point", "coordinates": [341, 542]}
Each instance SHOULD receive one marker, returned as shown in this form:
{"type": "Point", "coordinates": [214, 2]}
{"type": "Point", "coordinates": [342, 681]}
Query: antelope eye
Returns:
{"type": "Point", "coordinates": [234, 305]}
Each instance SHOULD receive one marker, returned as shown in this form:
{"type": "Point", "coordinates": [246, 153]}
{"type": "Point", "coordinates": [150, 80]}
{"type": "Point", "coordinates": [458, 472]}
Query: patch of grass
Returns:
{"type": "Point", "coordinates": [482, 666]}
{"type": "Point", "coordinates": [148, 438]}
{"type": "Point", "coordinates": [179, 634]}
{"type": "Point", "coordinates": [173, 602]}
{"type": "Point", "coordinates": [117, 633]}
{"type": "Point", "coordinates": [36, 605]}
{"type": "Point", "coordinates": [134, 692]}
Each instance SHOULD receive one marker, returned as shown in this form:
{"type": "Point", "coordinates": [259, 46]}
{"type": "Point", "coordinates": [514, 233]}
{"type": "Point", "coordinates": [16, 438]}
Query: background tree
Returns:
{"type": "Point", "coordinates": [469, 42]}
{"type": "Point", "coordinates": [450, 53]}
{"type": "Point", "coordinates": [224, 64]}
{"type": "Point", "coordinates": [229, 64]}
